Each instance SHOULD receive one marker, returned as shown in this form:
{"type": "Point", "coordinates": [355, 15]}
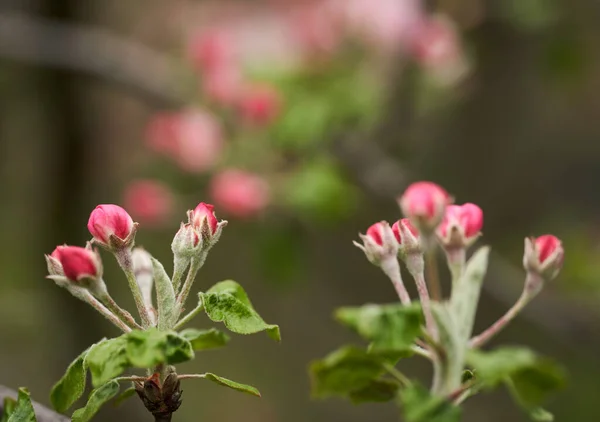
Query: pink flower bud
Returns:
{"type": "Point", "coordinates": [379, 244]}
{"type": "Point", "coordinates": [111, 226]}
{"type": "Point", "coordinates": [204, 214]}
{"type": "Point", "coordinates": [223, 87]}
{"type": "Point", "coordinates": [186, 241]}
{"type": "Point", "coordinates": [424, 204]}
{"type": "Point", "coordinates": [408, 237]}
{"type": "Point", "coordinates": [260, 104]}
{"type": "Point", "coordinates": [461, 225]}
{"type": "Point", "coordinates": [211, 50]}
{"type": "Point", "coordinates": [240, 193]}
{"type": "Point", "coordinates": [78, 263]}
{"type": "Point", "coordinates": [150, 201]}
{"type": "Point", "coordinates": [161, 132]}
{"type": "Point", "coordinates": [53, 263]}
{"type": "Point", "coordinates": [544, 256]}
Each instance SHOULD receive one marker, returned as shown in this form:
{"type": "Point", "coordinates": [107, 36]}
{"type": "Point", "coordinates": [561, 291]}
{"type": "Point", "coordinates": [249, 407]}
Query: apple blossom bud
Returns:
{"type": "Point", "coordinates": [461, 226]}
{"type": "Point", "coordinates": [379, 244]}
{"type": "Point", "coordinates": [424, 204]}
{"type": "Point", "coordinates": [187, 241]}
{"type": "Point", "coordinates": [543, 256]}
{"type": "Point", "coordinates": [112, 227]}
{"type": "Point", "coordinates": [53, 263]}
{"type": "Point", "coordinates": [407, 236]}
{"type": "Point", "coordinates": [77, 263]}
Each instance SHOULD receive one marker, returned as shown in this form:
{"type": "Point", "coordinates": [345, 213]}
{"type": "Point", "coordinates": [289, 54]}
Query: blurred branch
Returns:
{"type": "Point", "coordinates": [90, 50]}
{"type": "Point", "coordinates": [42, 413]}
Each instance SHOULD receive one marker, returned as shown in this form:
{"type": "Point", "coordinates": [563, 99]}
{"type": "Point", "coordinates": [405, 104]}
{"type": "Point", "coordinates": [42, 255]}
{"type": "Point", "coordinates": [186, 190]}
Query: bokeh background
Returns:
{"type": "Point", "coordinates": [302, 121]}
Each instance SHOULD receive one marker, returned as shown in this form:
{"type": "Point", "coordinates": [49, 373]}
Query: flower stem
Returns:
{"type": "Point", "coordinates": [391, 268]}
{"type": "Point", "coordinates": [189, 376]}
{"type": "Point", "coordinates": [485, 336]}
{"type": "Point", "coordinates": [195, 266]}
{"type": "Point", "coordinates": [433, 277]}
{"type": "Point", "coordinates": [426, 304]}
{"type": "Point", "coordinates": [397, 374]}
{"type": "Point", "coordinates": [87, 297]}
{"type": "Point", "coordinates": [456, 263]}
{"type": "Point", "coordinates": [189, 316]}
{"type": "Point", "coordinates": [120, 312]}
{"type": "Point", "coordinates": [124, 259]}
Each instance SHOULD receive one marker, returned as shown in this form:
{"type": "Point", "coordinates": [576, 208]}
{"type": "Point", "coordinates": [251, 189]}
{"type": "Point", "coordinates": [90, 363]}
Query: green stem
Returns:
{"type": "Point", "coordinates": [87, 297]}
{"type": "Point", "coordinates": [189, 376]}
{"type": "Point", "coordinates": [120, 312]}
{"type": "Point", "coordinates": [124, 259]}
{"type": "Point", "coordinates": [195, 266]}
{"type": "Point", "coordinates": [456, 263]}
{"type": "Point", "coordinates": [397, 374]}
{"type": "Point", "coordinates": [433, 277]}
{"type": "Point", "coordinates": [189, 316]}
{"type": "Point", "coordinates": [178, 274]}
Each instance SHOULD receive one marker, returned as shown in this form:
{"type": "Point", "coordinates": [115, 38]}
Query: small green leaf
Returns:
{"type": "Point", "coordinates": [540, 415]}
{"type": "Point", "coordinates": [377, 391]}
{"type": "Point", "coordinates": [107, 360]}
{"type": "Point", "coordinates": [124, 396]}
{"type": "Point", "coordinates": [23, 411]}
{"type": "Point", "coordinates": [227, 302]}
{"type": "Point", "coordinates": [165, 297]}
{"type": "Point", "coordinates": [232, 384]}
{"type": "Point", "coordinates": [97, 398]}
{"type": "Point", "coordinates": [344, 371]}
{"type": "Point", "coordinates": [151, 347]}
{"type": "Point", "coordinates": [71, 386]}
{"type": "Point", "coordinates": [388, 327]}
{"type": "Point", "coordinates": [529, 377]}
{"type": "Point", "coordinates": [9, 405]}
{"type": "Point", "coordinates": [205, 339]}
{"type": "Point", "coordinates": [420, 406]}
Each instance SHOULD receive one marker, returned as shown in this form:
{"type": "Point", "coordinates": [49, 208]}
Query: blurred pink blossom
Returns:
{"type": "Point", "coordinates": [212, 49]}
{"type": "Point", "coordinates": [239, 193]}
{"type": "Point", "coordinates": [223, 86]}
{"type": "Point", "coordinates": [149, 201]}
{"type": "Point", "coordinates": [161, 132]}
{"type": "Point", "coordinates": [260, 104]}
{"type": "Point", "coordinates": [199, 141]}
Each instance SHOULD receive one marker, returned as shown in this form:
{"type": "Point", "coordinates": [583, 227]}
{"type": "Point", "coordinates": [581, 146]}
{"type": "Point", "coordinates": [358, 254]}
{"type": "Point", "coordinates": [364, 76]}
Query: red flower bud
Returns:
{"type": "Point", "coordinates": [407, 236]}
{"type": "Point", "coordinates": [544, 256]}
{"type": "Point", "coordinates": [78, 263]}
{"type": "Point", "coordinates": [204, 214]}
{"type": "Point", "coordinates": [461, 225]}
{"type": "Point", "coordinates": [424, 204]}
{"type": "Point", "coordinates": [379, 244]}
{"type": "Point", "coordinates": [110, 222]}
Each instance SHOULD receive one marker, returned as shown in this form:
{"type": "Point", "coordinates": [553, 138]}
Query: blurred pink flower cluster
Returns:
{"type": "Point", "coordinates": [232, 38]}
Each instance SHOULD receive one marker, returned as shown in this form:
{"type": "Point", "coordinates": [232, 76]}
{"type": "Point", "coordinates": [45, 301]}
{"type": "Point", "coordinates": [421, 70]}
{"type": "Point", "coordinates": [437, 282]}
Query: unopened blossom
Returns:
{"type": "Point", "coordinates": [424, 203]}
{"type": "Point", "coordinates": [544, 255]}
{"type": "Point", "coordinates": [461, 225]}
{"type": "Point", "coordinates": [199, 140]}
{"type": "Point", "coordinates": [78, 263]}
{"type": "Point", "coordinates": [379, 243]}
{"type": "Point", "coordinates": [111, 226]}
{"type": "Point", "coordinates": [408, 237]}
{"type": "Point", "coordinates": [204, 215]}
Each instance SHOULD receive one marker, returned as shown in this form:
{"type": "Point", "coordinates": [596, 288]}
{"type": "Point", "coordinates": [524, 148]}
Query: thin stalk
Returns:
{"type": "Point", "coordinates": [391, 268]}
{"type": "Point", "coordinates": [397, 374]}
{"type": "Point", "coordinates": [456, 263]}
{"type": "Point", "coordinates": [485, 336]}
{"type": "Point", "coordinates": [87, 297]}
{"type": "Point", "coordinates": [131, 378]}
{"type": "Point", "coordinates": [418, 350]}
{"type": "Point", "coordinates": [426, 304]}
{"type": "Point", "coordinates": [178, 274]}
{"type": "Point", "coordinates": [195, 266]}
{"type": "Point", "coordinates": [120, 312]}
{"type": "Point", "coordinates": [433, 276]}
{"type": "Point", "coordinates": [189, 376]}
{"type": "Point", "coordinates": [189, 316]}
{"type": "Point", "coordinates": [124, 259]}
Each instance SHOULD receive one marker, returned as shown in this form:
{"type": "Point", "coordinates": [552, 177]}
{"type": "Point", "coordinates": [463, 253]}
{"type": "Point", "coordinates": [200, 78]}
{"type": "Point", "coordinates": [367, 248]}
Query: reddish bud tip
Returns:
{"type": "Point", "coordinates": [424, 204]}
{"type": "Point", "coordinates": [404, 223]}
{"type": "Point", "coordinates": [544, 255]}
{"type": "Point", "coordinates": [204, 211]}
{"type": "Point", "coordinates": [109, 219]}
{"type": "Point", "coordinates": [546, 246]}
{"type": "Point", "coordinates": [77, 263]}
{"type": "Point", "coordinates": [375, 232]}
{"type": "Point", "coordinates": [379, 243]}
{"type": "Point", "coordinates": [461, 225]}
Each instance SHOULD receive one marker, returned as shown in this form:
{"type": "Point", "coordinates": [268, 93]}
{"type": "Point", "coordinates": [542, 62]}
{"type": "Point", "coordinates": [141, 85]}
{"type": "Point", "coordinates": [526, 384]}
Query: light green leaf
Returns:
{"type": "Point", "coordinates": [232, 384]}
{"type": "Point", "coordinates": [9, 406]}
{"type": "Point", "coordinates": [540, 415]}
{"type": "Point", "coordinates": [107, 360]}
{"type": "Point", "coordinates": [454, 348]}
{"type": "Point", "coordinates": [377, 391]}
{"type": "Point", "coordinates": [97, 398]}
{"type": "Point", "coordinates": [205, 339]}
{"type": "Point", "coordinates": [151, 347]}
{"type": "Point", "coordinates": [388, 327]}
{"type": "Point", "coordinates": [130, 392]}
{"type": "Point", "coordinates": [227, 302]}
{"type": "Point", "coordinates": [165, 297]}
{"type": "Point", "coordinates": [420, 406]}
{"type": "Point", "coordinates": [71, 386]}
{"type": "Point", "coordinates": [23, 410]}
{"type": "Point", "coordinates": [529, 377]}
{"type": "Point", "coordinates": [345, 371]}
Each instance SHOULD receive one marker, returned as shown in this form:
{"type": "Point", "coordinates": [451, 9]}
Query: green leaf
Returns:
{"type": "Point", "coordinates": [165, 297]}
{"type": "Point", "coordinates": [124, 396]}
{"type": "Point", "coordinates": [529, 377]}
{"type": "Point", "coordinates": [420, 406]}
{"type": "Point", "coordinates": [23, 409]}
{"type": "Point", "coordinates": [388, 327]}
{"type": "Point", "coordinates": [9, 406]}
{"type": "Point", "coordinates": [97, 398]}
{"type": "Point", "coordinates": [71, 386]}
{"type": "Point", "coordinates": [107, 360]}
{"type": "Point", "coordinates": [232, 384]}
{"type": "Point", "coordinates": [345, 371]}
{"type": "Point", "coordinates": [151, 347]}
{"type": "Point", "coordinates": [205, 339]}
{"type": "Point", "coordinates": [377, 391]}
{"type": "Point", "coordinates": [541, 415]}
{"type": "Point", "coordinates": [227, 302]}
